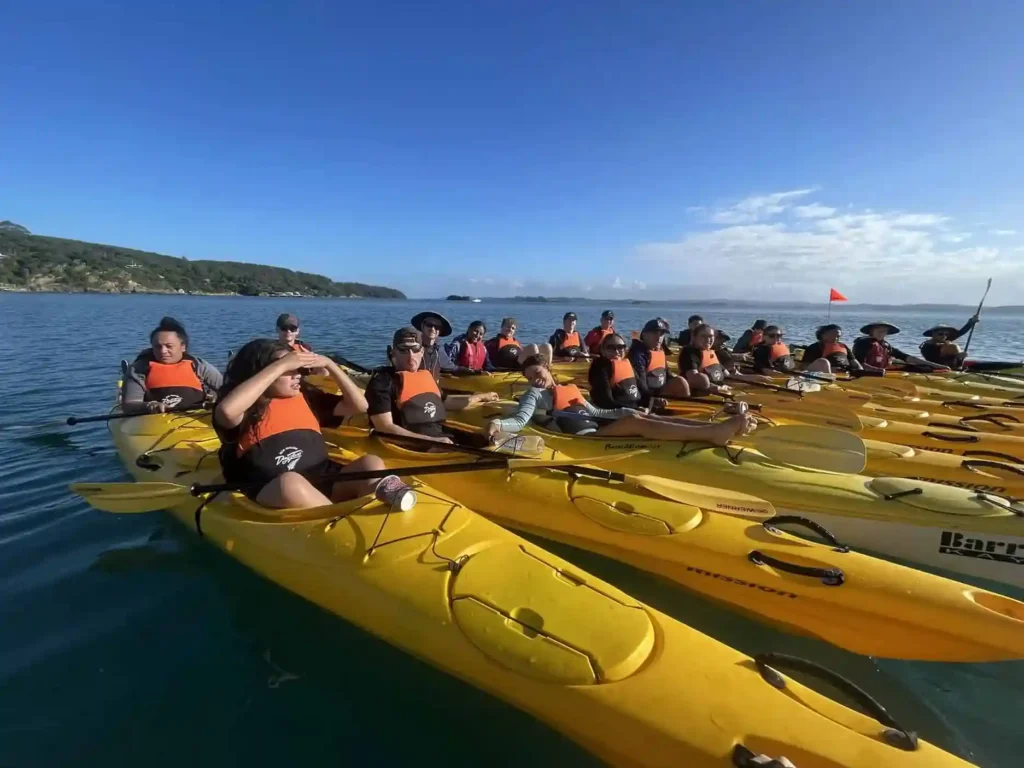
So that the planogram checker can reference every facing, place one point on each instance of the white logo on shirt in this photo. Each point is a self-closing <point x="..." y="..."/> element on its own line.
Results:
<point x="430" y="409"/>
<point x="171" y="400"/>
<point x="634" y="391"/>
<point x="288" y="457"/>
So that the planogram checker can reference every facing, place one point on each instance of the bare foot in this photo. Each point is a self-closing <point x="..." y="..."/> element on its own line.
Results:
<point x="723" y="431"/>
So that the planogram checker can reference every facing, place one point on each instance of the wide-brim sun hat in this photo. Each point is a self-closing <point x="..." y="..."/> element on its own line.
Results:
<point x="892" y="329"/>
<point x="446" y="327"/>
<point x="940" y="327"/>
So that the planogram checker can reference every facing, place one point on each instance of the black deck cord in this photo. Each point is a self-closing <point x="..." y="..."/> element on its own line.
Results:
<point x="199" y="513"/>
<point x="830" y="577"/>
<point x="895" y="734"/>
<point x="744" y="758"/>
<point x="819" y="529"/>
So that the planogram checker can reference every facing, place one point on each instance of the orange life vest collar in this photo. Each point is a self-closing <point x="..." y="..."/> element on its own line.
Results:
<point x="282" y="414"/>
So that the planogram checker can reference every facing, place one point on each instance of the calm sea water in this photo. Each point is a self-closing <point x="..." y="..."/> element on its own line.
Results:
<point x="124" y="640"/>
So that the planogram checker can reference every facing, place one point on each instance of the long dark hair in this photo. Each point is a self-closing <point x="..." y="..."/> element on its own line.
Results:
<point x="250" y="360"/>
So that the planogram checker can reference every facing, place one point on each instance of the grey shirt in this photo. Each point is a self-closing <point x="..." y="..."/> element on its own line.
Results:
<point x="133" y="389"/>
<point x="539" y="403"/>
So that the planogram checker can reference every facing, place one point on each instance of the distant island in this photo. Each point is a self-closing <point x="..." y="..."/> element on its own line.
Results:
<point x="36" y="263"/>
<point x="456" y="297"/>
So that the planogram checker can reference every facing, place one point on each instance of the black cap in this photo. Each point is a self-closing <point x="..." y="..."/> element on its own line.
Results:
<point x="446" y="327"/>
<point x="825" y="329"/>
<point x="940" y="328"/>
<point x="407" y="335"/>
<point x="569" y="316"/>
<point x="657" y="324"/>
<point x="286" y="320"/>
<point x="759" y="325"/>
<point x="892" y="329"/>
<point x="721" y="335"/>
<point x="609" y="314"/>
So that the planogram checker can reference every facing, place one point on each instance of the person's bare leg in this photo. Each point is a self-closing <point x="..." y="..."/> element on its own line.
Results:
<point x="676" y="386"/>
<point x="546" y="351"/>
<point x="291" y="491"/>
<point x="718" y="432"/>
<point x="529" y="350"/>
<point x="821" y="365"/>
<point x="344" y="490"/>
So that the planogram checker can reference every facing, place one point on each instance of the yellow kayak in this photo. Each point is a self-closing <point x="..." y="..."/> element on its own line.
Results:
<point x="631" y="685"/>
<point x="938" y="526"/>
<point x="860" y="603"/>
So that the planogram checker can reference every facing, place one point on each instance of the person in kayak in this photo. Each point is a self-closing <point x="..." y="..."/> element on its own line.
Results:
<point x="750" y="338"/>
<point x="772" y="355"/>
<point x="469" y="352"/>
<point x="566" y="343"/>
<point x="691" y="324"/>
<point x="650" y="364"/>
<point x="166" y="376"/>
<point x="269" y="426"/>
<point x="288" y="333"/>
<point x="433" y="326"/>
<point x="873" y="351"/>
<point x="592" y="341"/>
<point x="403" y="398"/>
<point x="721" y="348"/>
<point x="703" y="367"/>
<point x="563" y="408"/>
<point x="940" y="349"/>
<point x="828" y="354"/>
<point x="505" y="351"/>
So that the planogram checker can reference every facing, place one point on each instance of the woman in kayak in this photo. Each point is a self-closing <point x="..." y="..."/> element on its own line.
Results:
<point x="873" y="351"/>
<point x="166" y="376"/>
<point x="505" y="351"/>
<point x="596" y="335"/>
<point x="563" y="408"/>
<point x="269" y="427"/>
<point x="940" y="349"/>
<point x="828" y="354"/>
<point x="703" y="367"/>
<point x="469" y="352"/>
<point x="750" y="338"/>
<point x="772" y="355"/>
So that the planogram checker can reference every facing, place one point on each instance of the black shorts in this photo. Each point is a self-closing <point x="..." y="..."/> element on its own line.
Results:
<point x="322" y="477"/>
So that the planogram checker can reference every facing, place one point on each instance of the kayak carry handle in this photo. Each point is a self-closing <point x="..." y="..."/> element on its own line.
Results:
<point x="830" y="577"/>
<point x="995" y="456"/>
<point x="894" y="734"/>
<point x="974" y="464"/>
<point x="951" y="438"/>
<point x="772" y="524"/>
<point x="998" y="419"/>
<point x="744" y="758"/>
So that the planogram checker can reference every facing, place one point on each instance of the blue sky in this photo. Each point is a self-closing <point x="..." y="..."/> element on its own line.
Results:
<point x="610" y="149"/>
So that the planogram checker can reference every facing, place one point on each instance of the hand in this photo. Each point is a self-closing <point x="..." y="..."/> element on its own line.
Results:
<point x="492" y="429"/>
<point x="155" y="406"/>
<point x="975" y="319"/>
<point x="485" y="373"/>
<point x="295" y="361"/>
<point x="658" y="403"/>
<point x="484" y="397"/>
<point x="723" y="389"/>
<point x="444" y="440"/>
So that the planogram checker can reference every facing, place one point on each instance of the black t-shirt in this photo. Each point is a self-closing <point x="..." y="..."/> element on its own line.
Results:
<point x="690" y="359"/>
<point x="382" y="397"/>
<point x="763" y="360"/>
<point x="684" y="337"/>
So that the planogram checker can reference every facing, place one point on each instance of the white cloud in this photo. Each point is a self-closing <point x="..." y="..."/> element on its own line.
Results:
<point x="894" y="256"/>
<point x="1003" y="232"/>
<point x="640" y="285"/>
<point x="813" y="211"/>
<point x="617" y="283"/>
<point x="757" y="207"/>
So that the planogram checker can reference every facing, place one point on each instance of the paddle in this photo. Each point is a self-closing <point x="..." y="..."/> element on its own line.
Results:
<point x="73" y="420"/>
<point x="349" y="364"/>
<point x="980" y="305"/>
<point x="828" y="416"/>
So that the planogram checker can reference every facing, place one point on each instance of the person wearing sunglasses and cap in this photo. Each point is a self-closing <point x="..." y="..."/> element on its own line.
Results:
<point x="873" y="351"/>
<point x="650" y="365"/>
<point x="563" y="408"/>
<point x="708" y="367"/>
<point x="772" y="355"/>
<point x="566" y="343"/>
<point x="940" y="349"/>
<point x="433" y="326"/>
<point x="403" y="398"/>
<point x="596" y="335"/>
<point x="288" y="333"/>
<point x="828" y="354"/>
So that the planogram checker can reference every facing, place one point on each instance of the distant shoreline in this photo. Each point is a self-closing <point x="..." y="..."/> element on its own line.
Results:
<point x="19" y="289"/>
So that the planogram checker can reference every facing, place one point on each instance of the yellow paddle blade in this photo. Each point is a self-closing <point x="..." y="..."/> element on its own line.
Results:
<point x="717" y="499"/>
<point x="831" y="450"/>
<point x="887" y="385"/>
<point x="835" y="418"/>
<point x="128" y="498"/>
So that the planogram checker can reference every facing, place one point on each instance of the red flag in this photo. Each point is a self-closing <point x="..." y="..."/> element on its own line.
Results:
<point x="834" y="295"/>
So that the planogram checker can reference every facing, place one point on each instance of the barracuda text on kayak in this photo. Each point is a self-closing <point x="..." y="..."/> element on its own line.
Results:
<point x="648" y="445"/>
<point x="741" y="582"/>
<point x="954" y="543"/>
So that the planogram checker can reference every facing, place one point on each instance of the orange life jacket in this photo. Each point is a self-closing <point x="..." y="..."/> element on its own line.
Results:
<point x="780" y="358"/>
<point x="599" y="334"/>
<point x="419" y="402"/>
<point x="505" y="351"/>
<point x="286" y="439"/>
<point x="837" y="354"/>
<point x="174" y="384"/>
<point x="571" y="342"/>
<point x="711" y="367"/>
<point x="569" y="399"/>
<point x="623" y="381"/>
<point x="657" y="370"/>
<point x="505" y="341"/>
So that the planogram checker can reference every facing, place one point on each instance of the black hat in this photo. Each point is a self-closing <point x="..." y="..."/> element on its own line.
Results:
<point x="830" y="327"/>
<point x="721" y="335"/>
<point x="406" y="335"/>
<point x="892" y="329"/>
<point x="286" y="320"/>
<point x="759" y="325"/>
<point x="609" y="314"/>
<point x="657" y="324"/>
<point x="940" y="327"/>
<point x="568" y="316"/>
<point x="446" y="327"/>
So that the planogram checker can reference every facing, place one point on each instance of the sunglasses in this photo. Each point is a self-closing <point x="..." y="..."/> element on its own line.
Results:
<point x="288" y="327"/>
<point x="431" y="324"/>
<point x="773" y="335"/>
<point x="615" y="347"/>
<point x="409" y="348"/>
